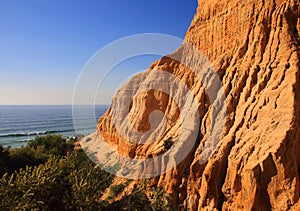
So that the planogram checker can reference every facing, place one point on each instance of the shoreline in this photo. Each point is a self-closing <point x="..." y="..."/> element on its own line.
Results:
<point x="23" y="143"/>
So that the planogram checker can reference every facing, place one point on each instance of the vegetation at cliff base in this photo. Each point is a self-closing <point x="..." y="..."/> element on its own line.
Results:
<point x="48" y="174"/>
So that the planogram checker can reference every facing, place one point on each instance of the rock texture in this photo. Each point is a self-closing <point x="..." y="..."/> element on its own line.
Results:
<point x="254" y="47"/>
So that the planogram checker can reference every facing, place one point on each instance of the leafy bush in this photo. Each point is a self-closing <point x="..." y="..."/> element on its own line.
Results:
<point x="26" y="156"/>
<point x="70" y="183"/>
<point x="4" y="160"/>
<point x="36" y="152"/>
<point x="116" y="189"/>
<point x="139" y="201"/>
<point x="136" y="201"/>
<point x="160" y="200"/>
<point x="52" y="144"/>
<point x="48" y="174"/>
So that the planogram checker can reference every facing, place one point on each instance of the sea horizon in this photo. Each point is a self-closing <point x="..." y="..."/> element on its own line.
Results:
<point x="21" y="123"/>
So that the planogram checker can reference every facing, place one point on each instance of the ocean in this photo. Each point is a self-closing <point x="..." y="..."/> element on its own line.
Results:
<point x="19" y="124"/>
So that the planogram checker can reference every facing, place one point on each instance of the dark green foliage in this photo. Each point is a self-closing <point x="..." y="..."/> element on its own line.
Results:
<point x="168" y="144"/>
<point x="116" y="189"/>
<point x="48" y="174"/>
<point x="139" y="201"/>
<point x="4" y="160"/>
<point x="26" y="156"/>
<point x="70" y="183"/>
<point x="52" y="144"/>
<point x="36" y="152"/>
<point x="160" y="200"/>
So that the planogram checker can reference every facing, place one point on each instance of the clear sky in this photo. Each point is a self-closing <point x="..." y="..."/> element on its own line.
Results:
<point x="44" y="44"/>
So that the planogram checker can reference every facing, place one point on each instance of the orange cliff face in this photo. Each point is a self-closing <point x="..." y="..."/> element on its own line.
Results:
<point x="253" y="46"/>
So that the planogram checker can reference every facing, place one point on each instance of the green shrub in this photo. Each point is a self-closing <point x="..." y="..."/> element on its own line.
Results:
<point x="26" y="156"/>
<point x="36" y="152"/>
<point x="70" y="183"/>
<point x="160" y="200"/>
<point x="139" y="201"/>
<point x="116" y="189"/>
<point x="4" y="160"/>
<point x="52" y="144"/>
<point x="48" y="174"/>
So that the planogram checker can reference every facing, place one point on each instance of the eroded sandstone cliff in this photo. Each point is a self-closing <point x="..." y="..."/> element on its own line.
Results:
<point x="254" y="47"/>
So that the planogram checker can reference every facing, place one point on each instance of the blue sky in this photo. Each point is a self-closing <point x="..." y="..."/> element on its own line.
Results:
<point x="44" y="44"/>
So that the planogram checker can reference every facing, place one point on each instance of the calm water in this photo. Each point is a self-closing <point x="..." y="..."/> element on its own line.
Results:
<point x="19" y="124"/>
